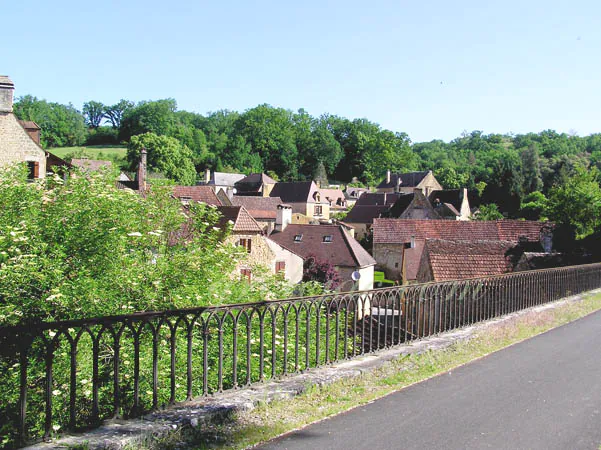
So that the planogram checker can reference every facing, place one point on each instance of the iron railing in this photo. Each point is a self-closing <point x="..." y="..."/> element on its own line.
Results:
<point x="71" y="375"/>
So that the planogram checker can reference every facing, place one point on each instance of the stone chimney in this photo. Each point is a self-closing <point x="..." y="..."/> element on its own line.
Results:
<point x="283" y="217"/>
<point x="412" y="241"/>
<point x="388" y="177"/>
<point x="141" y="174"/>
<point x="207" y="176"/>
<point x="7" y="89"/>
<point x="398" y="184"/>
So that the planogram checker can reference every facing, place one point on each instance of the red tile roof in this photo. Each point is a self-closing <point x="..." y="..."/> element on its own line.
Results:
<point x="203" y="194"/>
<point x="341" y="250"/>
<point x="398" y="231"/>
<point x="456" y="260"/>
<point x="243" y="221"/>
<point x="90" y="164"/>
<point x="261" y="208"/>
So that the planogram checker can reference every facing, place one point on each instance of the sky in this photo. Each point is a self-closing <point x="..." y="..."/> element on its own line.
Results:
<point x="431" y="69"/>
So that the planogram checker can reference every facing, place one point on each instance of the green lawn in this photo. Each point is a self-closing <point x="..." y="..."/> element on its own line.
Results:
<point x="380" y="278"/>
<point x="108" y="152"/>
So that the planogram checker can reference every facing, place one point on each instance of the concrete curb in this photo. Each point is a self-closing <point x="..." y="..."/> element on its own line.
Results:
<point x="121" y="434"/>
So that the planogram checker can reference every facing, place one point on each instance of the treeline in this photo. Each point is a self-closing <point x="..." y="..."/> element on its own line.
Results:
<point x="506" y="169"/>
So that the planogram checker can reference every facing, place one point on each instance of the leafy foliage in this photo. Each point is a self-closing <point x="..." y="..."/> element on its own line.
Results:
<point x="324" y="272"/>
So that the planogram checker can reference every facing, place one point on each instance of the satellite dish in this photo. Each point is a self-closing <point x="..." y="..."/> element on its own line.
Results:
<point x="356" y="276"/>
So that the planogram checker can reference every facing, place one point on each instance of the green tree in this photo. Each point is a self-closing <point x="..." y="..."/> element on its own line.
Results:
<point x="450" y="179"/>
<point x="534" y="206"/>
<point x="575" y="204"/>
<point x="156" y="117"/>
<point x="114" y="113"/>
<point x="166" y="155"/>
<point x="489" y="212"/>
<point x="94" y="113"/>
<point x="320" y="176"/>
<point x="531" y="174"/>
<point x="61" y="125"/>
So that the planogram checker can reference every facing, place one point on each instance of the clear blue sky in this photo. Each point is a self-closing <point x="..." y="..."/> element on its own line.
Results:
<point x="429" y="68"/>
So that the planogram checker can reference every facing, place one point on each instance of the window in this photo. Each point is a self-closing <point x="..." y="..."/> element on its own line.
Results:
<point x="327" y="238"/>
<point x="298" y="238"/>
<point x="246" y="243"/>
<point x="280" y="266"/>
<point x="318" y="210"/>
<point x="185" y="200"/>
<point x="34" y="170"/>
<point x="246" y="274"/>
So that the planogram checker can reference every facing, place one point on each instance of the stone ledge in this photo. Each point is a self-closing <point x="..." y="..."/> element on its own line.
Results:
<point x="121" y="434"/>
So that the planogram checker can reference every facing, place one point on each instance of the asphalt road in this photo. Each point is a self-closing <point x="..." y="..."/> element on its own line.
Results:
<point x="544" y="393"/>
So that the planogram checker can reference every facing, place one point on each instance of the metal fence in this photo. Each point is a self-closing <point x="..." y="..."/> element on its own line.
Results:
<point x="71" y="375"/>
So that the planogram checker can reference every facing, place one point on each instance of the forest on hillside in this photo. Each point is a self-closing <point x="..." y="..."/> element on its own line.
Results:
<point x="509" y="170"/>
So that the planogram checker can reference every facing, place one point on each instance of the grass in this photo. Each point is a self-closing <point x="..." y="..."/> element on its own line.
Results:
<point x="109" y="152"/>
<point x="380" y="278"/>
<point x="270" y="420"/>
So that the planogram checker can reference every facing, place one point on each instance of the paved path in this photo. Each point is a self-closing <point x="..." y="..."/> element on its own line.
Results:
<point x="544" y="393"/>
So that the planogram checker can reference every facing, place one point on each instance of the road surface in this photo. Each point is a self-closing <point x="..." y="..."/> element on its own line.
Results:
<point x="544" y="393"/>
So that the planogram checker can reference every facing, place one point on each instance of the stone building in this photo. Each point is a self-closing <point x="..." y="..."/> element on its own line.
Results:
<point x="17" y="142"/>
<point x="407" y="182"/>
<point x="304" y="197"/>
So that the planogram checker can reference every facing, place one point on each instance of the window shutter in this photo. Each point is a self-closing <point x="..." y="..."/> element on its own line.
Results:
<point x="36" y="170"/>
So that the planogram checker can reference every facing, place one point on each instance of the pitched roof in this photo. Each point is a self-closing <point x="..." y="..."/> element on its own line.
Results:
<point x="410" y="179"/>
<point x="203" y="194"/>
<point x="365" y="213"/>
<point x="397" y="231"/>
<point x="378" y="198"/>
<point x="243" y="221"/>
<point x="295" y="191"/>
<point x="456" y="260"/>
<point x="258" y="207"/>
<point x="225" y="179"/>
<point x="90" y="164"/>
<point x="340" y="249"/>
<point x="257" y="178"/>
<point x="401" y="204"/>
<point x="29" y="125"/>
<point x="333" y="195"/>
<point x="355" y="192"/>
<point x="452" y="196"/>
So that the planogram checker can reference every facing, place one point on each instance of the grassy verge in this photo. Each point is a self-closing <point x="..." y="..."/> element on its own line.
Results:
<point x="276" y="418"/>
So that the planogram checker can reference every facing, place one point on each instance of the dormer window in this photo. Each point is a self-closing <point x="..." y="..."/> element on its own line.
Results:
<point x="185" y="200"/>
<point x="298" y="237"/>
<point x="327" y="238"/>
<point x="317" y="197"/>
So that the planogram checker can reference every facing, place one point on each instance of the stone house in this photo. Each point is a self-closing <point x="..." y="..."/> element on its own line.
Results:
<point x="304" y="197"/>
<point x="444" y="260"/>
<point x="247" y="233"/>
<point x="451" y="203"/>
<point x="367" y="208"/>
<point x="255" y="184"/>
<point x="18" y="139"/>
<point x="407" y="182"/>
<point x="262" y="209"/>
<point x="352" y="194"/>
<point x="221" y="181"/>
<point x="331" y="243"/>
<point x="398" y="243"/>
<point x="336" y="199"/>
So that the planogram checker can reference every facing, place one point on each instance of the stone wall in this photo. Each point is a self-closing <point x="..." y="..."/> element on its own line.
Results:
<point x="17" y="146"/>
<point x="389" y="259"/>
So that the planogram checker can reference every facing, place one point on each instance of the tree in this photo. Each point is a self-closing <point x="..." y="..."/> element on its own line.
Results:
<point x="450" y="179"/>
<point x="94" y="113"/>
<point x="320" y="176"/>
<point x="156" y="117"/>
<point x="61" y="125"/>
<point x="115" y="112"/>
<point x="489" y="212"/>
<point x="166" y="155"/>
<point x="324" y="272"/>
<point x="534" y="206"/>
<point x="576" y="204"/>
<point x="531" y="174"/>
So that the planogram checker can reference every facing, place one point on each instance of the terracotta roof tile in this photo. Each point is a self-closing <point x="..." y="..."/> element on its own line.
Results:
<point x="456" y="260"/>
<point x="90" y="164"/>
<point x="258" y="207"/>
<point x="243" y="221"/>
<point x="400" y="230"/>
<point x="203" y="194"/>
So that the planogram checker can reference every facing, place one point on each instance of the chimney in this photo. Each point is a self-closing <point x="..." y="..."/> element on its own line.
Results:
<point x="207" y="176"/>
<point x="412" y="242"/>
<point x="283" y="217"/>
<point x="388" y="177"/>
<point x="141" y="174"/>
<point x="7" y="89"/>
<point x="398" y="185"/>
